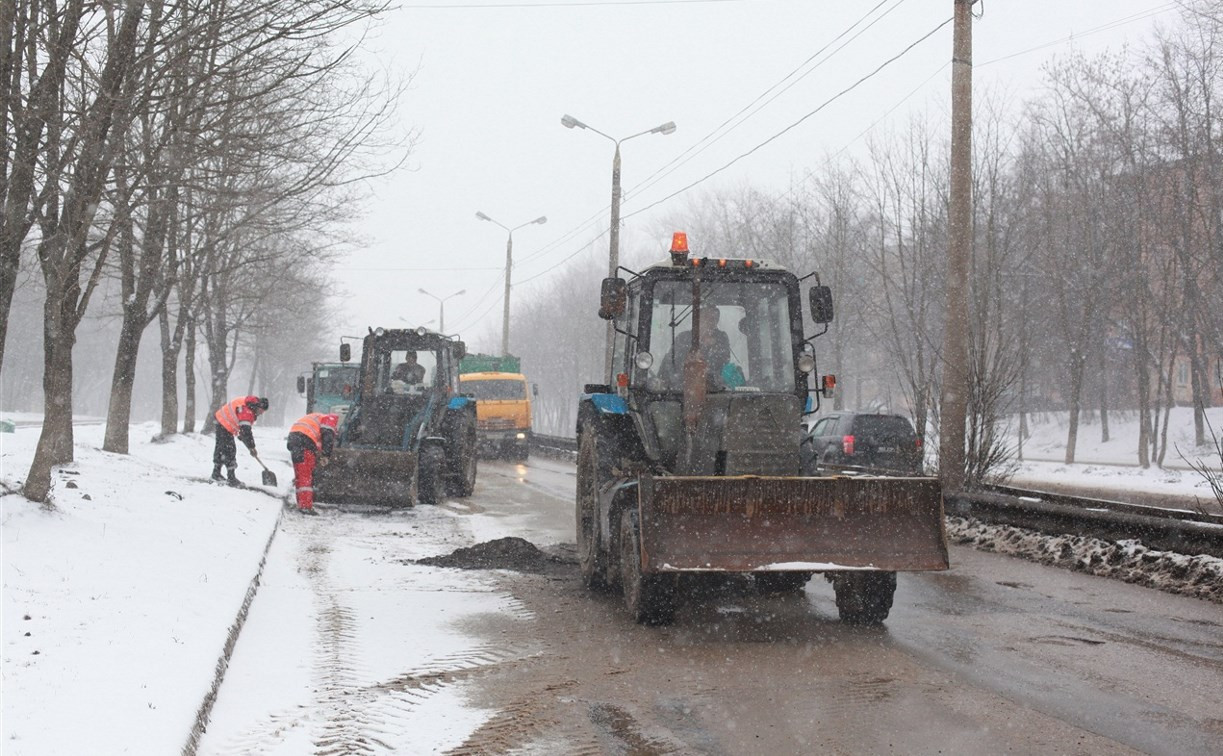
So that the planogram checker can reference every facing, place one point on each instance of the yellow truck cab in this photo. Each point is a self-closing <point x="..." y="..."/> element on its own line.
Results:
<point x="503" y="404"/>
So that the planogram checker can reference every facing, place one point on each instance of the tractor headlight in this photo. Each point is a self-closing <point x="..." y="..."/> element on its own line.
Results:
<point x="521" y="436"/>
<point x="379" y="331"/>
<point x="806" y="362"/>
<point x="421" y="330"/>
<point x="644" y="360"/>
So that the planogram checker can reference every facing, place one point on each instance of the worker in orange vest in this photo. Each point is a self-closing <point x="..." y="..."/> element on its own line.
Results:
<point x="311" y="440"/>
<point x="235" y="418"/>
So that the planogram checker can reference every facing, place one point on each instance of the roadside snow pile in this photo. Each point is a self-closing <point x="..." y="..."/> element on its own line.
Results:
<point x="1200" y="576"/>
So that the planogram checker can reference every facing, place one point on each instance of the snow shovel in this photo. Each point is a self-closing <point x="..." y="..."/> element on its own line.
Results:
<point x="269" y="477"/>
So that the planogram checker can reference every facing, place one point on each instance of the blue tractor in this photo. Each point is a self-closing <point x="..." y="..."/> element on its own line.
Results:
<point x="409" y="435"/>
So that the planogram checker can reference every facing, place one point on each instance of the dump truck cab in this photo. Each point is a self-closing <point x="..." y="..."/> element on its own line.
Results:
<point x="689" y="460"/>
<point x="410" y="433"/>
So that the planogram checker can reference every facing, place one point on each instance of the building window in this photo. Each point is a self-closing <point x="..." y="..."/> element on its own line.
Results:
<point x="1182" y="374"/>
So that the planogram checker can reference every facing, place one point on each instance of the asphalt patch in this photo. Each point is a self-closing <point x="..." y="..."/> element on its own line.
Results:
<point x="517" y="554"/>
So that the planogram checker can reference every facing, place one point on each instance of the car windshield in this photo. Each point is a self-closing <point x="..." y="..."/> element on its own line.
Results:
<point x="495" y="389"/>
<point x="744" y="336"/>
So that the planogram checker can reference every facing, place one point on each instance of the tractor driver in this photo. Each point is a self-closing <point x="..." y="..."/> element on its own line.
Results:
<point x="715" y="345"/>
<point x="407" y="373"/>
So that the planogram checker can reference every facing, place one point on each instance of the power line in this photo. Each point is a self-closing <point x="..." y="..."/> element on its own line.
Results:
<point x="579" y="4"/>
<point x="480" y="299"/>
<point x="822" y="105"/>
<point x="710" y="137"/>
<point x="1141" y="15"/>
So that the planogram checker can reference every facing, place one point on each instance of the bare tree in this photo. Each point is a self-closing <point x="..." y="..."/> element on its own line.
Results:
<point x="907" y="191"/>
<point x="82" y="139"/>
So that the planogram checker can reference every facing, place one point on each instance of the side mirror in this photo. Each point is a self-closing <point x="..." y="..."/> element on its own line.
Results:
<point x="460" y="350"/>
<point x="534" y="389"/>
<point x="821" y="304"/>
<point x="613" y="298"/>
<point x="345" y="352"/>
<point x="301" y="384"/>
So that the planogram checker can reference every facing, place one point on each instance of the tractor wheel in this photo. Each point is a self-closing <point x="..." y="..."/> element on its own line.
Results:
<point x="650" y="599"/>
<point x="771" y="583"/>
<point x="864" y="598"/>
<point x="592" y="560"/>
<point x="462" y="479"/>
<point x="432" y="475"/>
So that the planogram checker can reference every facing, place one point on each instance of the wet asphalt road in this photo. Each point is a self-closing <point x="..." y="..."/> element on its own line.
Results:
<point x="996" y="655"/>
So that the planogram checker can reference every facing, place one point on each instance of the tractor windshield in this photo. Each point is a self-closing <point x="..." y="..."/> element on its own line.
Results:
<point x="402" y="371"/>
<point x="745" y="336"/>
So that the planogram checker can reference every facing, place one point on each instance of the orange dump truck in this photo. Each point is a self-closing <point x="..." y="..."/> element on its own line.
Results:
<point x="503" y="403"/>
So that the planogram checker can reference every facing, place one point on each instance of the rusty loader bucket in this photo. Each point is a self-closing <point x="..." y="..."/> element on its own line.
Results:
<point x="749" y="523"/>
<point x="367" y="476"/>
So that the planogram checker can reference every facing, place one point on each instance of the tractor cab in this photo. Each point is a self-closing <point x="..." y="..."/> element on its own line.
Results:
<point x="711" y="345"/>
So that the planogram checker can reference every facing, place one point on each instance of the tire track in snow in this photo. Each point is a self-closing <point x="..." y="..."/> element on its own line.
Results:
<point x="354" y="711"/>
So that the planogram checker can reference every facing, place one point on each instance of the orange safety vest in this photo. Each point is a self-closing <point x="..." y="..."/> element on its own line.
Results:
<point x="311" y="427"/>
<point x="235" y="414"/>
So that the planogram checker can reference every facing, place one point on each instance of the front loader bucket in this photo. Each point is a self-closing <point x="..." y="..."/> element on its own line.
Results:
<point x="748" y="523"/>
<point x="367" y="476"/>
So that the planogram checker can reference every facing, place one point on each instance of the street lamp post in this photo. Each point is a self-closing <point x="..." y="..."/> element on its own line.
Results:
<point x="441" y="307"/>
<point x="613" y="235"/>
<point x="509" y="264"/>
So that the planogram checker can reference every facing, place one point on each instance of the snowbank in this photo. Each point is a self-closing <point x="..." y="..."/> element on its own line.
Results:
<point x="1200" y="576"/>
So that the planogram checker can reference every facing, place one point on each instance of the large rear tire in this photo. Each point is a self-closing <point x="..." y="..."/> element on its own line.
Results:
<point x="864" y="598"/>
<point x="592" y="560"/>
<point x="650" y="599"/>
<point x="462" y="479"/>
<point x="432" y="475"/>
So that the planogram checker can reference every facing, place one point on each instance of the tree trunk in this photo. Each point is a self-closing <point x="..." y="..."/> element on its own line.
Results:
<point x="169" y="376"/>
<point x="1075" y="405"/>
<point x="1103" y="397"/>
<point x="1143" y="381"/>
<point x="189" y="380"/>
<point x="55" y="442"/>
<point x="119" y="413"/>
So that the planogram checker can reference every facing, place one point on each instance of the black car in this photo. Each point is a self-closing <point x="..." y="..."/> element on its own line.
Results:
<point x="864" y="439"/>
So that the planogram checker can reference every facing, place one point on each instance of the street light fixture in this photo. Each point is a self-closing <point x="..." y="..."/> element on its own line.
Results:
<point x="441" y="307"/>
<point x="509" y="262"/>
<point x="613" y="262"/>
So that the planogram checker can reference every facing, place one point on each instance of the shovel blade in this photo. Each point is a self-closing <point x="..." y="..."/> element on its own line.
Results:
<point x="747" y="523"/>
<point x="269" y="478"/>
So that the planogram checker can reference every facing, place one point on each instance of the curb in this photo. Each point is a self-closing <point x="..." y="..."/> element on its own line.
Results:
<point x="231" y="640"/>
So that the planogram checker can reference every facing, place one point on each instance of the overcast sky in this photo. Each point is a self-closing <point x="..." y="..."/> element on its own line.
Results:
<point x="493" y="78"/>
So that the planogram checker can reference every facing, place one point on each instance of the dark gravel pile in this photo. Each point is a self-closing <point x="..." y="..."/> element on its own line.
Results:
<point x="502" y="554"/>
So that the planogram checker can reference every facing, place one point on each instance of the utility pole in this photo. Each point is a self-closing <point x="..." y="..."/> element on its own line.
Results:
<point x="613" y="266"/>
<point x="505" y="317"/>
<point x="953" y="409"/>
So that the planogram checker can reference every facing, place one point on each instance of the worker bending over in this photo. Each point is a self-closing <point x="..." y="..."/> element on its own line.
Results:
<point x="311" y="440"/>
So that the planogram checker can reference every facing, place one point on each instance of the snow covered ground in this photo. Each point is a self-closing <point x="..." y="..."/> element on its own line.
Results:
<point x="1113" y="465"/>
<point x="119" y="601"/>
